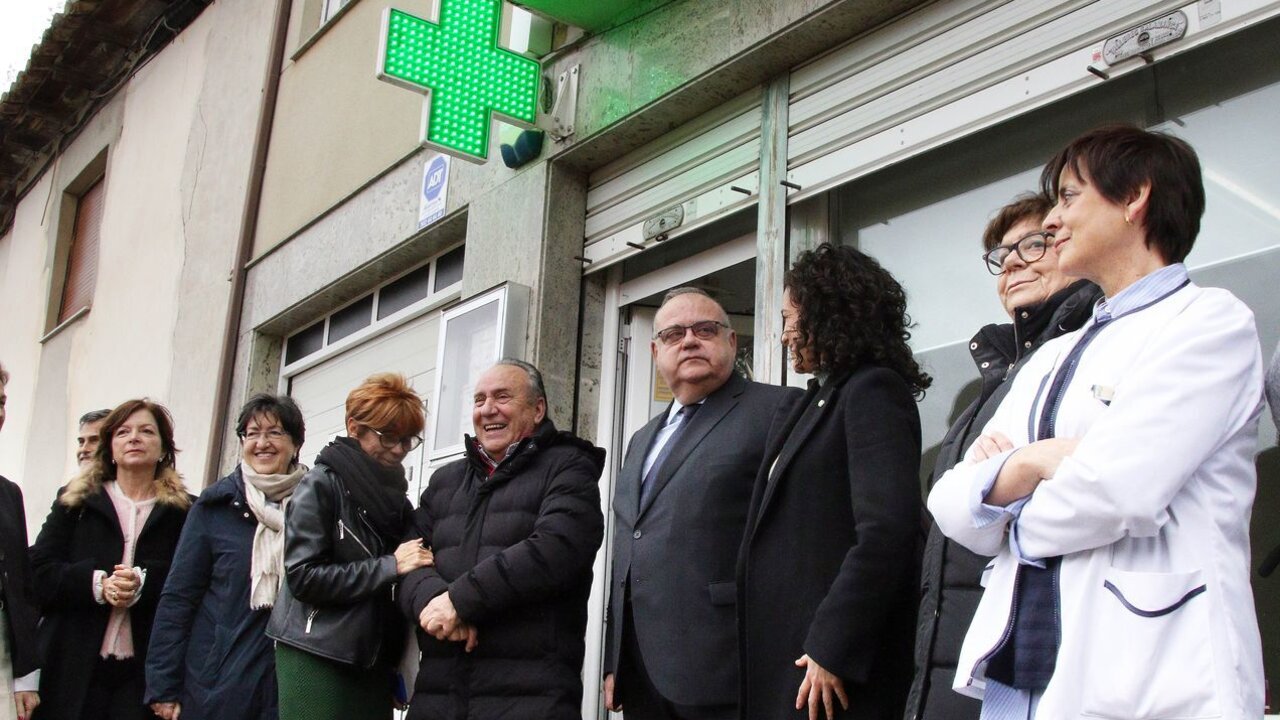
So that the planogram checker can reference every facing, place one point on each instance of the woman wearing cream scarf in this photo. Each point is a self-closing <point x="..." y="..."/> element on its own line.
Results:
<point x="209" y="656"/>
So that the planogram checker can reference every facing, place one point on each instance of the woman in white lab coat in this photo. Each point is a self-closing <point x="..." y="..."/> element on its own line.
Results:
<point x="1115" y="482"/>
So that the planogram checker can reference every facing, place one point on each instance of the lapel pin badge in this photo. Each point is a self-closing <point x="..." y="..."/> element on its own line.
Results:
<point x="1104" y="393"/>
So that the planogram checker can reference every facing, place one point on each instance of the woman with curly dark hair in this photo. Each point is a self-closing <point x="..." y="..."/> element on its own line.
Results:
<point x="828" y="570"/>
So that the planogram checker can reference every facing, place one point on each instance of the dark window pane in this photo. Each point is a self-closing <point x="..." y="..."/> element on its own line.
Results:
<point x="404" y="292"/>
<point x="353" y="317"/>
<point x="304" y="343"/>
<point x="449" y="268"/>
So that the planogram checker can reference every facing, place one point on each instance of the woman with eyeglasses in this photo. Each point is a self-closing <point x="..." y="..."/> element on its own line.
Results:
<point x="349" y="538"/>
<point x="1115" y="482"/>
<point x="1042" y="302"/>
<point x="209" y="655"/>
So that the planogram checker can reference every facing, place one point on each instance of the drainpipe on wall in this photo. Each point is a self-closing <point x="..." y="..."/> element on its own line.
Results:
<point x="244" y="246"/>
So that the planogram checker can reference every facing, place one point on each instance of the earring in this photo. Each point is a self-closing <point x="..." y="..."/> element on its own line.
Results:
<point x="1128" y="220"/>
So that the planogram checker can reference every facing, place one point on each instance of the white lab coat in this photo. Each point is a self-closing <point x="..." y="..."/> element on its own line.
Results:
<point x="1153" y="505"/>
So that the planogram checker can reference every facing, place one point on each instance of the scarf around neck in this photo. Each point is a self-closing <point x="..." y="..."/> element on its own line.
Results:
<point x="379" y="490"/>
<point x="266" y="566"/>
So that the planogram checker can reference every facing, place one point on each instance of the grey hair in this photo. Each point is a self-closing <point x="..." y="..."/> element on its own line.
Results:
<point x="537" y="388"/>
<point x="674" y="293"/>
<point x="93" y="416"/>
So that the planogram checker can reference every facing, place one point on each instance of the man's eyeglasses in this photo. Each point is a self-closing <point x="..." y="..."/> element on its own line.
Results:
<point x="703" y="330"/>
<point x="390" y="442"/>
<point x="1029" y="247"/>
<point x="271" y="435"/>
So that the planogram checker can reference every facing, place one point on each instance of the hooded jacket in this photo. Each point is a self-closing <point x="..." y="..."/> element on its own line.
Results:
<point x="949" y="589"/>
<point x="514" y="550"/>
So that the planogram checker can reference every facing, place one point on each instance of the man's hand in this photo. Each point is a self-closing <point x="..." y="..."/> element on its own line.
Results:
<point x="26" y="703"/>
<point x="439" y="618"/>
<point x="466" y="633"/>
<point x="412" y="555"/>
<point x="819" y="687"/>
<point x="610" y="702"/>
<point x="1027" y="467"/>
<point x="167" y="710"/>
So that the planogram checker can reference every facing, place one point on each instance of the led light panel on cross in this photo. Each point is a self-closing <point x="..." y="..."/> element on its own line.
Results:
<point x="466" y="76"/>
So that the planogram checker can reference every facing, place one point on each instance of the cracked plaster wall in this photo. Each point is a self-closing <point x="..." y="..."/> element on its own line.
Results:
<point x="179" y="139"/>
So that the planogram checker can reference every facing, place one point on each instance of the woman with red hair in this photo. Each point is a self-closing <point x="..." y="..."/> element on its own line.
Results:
<point x="337" y="630"/>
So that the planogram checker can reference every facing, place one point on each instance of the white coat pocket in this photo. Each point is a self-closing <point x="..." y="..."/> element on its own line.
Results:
<point x="1150" y="655"/>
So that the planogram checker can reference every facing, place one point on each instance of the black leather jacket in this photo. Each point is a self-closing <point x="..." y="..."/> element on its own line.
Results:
<point x="338" y="598"/>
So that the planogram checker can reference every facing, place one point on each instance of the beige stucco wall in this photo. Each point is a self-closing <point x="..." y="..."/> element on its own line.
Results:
<point x="179" y="138"/>
<point x="337" y="127"/>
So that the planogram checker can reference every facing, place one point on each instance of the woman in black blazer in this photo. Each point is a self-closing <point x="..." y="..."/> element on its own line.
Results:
<point x="828" y="571"/>
<point x="100" y="562"/>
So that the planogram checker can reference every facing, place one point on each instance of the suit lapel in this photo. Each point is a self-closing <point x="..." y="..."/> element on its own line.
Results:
<point x="717" y="405"/>
<point x="626" y="496"/>
<point x="805" y="418"/>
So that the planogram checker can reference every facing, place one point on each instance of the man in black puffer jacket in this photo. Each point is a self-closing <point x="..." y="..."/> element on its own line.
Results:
<point x="1043" y="304"/>
<point x="515" y="526"/>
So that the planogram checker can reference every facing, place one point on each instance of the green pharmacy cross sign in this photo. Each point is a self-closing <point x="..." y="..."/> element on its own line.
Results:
<point x="466" y="76"/>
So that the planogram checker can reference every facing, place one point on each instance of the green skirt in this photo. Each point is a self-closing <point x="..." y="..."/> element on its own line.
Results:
<point x="313" y="688"/>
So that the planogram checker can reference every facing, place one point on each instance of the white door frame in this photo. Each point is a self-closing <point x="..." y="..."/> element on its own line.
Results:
<point x="613" y="372"/>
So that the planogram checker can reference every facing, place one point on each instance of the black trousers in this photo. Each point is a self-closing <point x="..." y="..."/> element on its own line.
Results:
<point x="640" y="698"/>
<point x="115" y="691"/>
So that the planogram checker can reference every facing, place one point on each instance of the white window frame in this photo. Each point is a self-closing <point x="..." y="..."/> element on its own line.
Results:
<point x="433" y="301"/>
<point x="512" y="302"/>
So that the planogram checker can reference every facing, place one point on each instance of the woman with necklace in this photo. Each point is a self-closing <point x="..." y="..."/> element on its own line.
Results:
<point x="100" y="562"/>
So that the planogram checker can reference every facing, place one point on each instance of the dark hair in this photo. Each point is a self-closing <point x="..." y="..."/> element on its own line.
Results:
<point x="117" y="417"/>
<point x="385" y="402"/>
<point x="537" y="389"/>
<point x="1027" y="206"/>
<point x="280" y="407"/>
<point x="852" y="312"/>
<point x="674" y="293"/>
<point x="1119" y="159"/>
<point x="93" y="416"/>
<point x="4" y="375"/>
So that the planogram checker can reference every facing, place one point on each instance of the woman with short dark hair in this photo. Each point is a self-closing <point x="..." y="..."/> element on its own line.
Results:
<point x="349" y="538"/>
<point x="100" y="563"/>
<point x="1115" y="482"/>
<point x="210" y="656"/>
<point x="827" y="575"/>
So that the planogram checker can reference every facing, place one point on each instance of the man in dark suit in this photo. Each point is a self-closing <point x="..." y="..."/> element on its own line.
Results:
<point x="680" y="505"/>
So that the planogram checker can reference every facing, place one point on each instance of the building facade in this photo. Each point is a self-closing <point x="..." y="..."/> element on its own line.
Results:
<point x="688" y="142"/>
<point x="709" y="143"/>
<point x="128" y="153"/>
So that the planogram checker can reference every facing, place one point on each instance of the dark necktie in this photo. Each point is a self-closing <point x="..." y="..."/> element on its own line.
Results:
<point x="683" y="417"/>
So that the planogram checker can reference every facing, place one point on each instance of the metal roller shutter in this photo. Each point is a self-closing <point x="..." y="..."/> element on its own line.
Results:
<point x="696" y="166"/>
<point x="958" y="66"/>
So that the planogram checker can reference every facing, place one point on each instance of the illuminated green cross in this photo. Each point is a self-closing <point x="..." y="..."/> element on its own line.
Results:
<point x="466" y="75"/>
